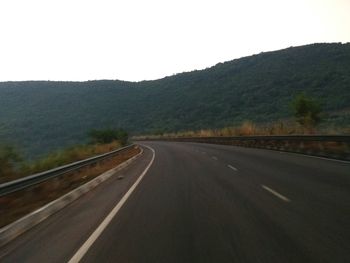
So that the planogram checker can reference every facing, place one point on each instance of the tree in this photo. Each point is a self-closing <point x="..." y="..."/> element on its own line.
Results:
<point x="8" y="160"/>
<point x="306" y="110"/>
<point x="108" y="135"/>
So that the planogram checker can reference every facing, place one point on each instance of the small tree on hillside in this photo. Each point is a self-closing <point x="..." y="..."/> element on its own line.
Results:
<point x="108" y="135"/>
<point x="8" y="160"/>
<point x="306" y="110"/>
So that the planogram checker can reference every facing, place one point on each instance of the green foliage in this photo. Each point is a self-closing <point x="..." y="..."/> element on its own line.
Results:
<point x="52" y="160"/>
<point x="8" y="161"/>
<point x="306" y="110"/>
<point x="108" y="135"/>
<point x="42" y="116"/>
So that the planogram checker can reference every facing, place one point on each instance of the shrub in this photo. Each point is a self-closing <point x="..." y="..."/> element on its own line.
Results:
<point x="306" y="110"/>
<point x="66" y="156"/>
<point x="8" y="161"/>
<point x="108" y="135"/>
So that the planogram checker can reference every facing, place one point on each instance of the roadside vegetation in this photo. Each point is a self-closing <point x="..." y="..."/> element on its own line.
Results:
<point x="306" y="111"/>
<point x="12" y="166"/>
<point x="9" y="159"/>
<point x="108" y="136"/>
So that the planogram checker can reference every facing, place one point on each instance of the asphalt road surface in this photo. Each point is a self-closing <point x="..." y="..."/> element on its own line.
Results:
<point x="202" y="203"/>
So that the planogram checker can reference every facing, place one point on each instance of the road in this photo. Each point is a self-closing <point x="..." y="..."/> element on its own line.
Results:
<point x="203" y="203"/>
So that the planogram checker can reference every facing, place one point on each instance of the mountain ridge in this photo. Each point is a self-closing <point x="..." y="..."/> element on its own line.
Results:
<point x="40" y="116"/>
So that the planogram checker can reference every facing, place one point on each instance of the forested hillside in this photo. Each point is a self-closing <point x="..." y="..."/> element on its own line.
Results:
<point x="39" y="116"/>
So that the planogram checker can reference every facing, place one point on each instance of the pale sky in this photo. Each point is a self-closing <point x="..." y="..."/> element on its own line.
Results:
<point x="138" y="39"/>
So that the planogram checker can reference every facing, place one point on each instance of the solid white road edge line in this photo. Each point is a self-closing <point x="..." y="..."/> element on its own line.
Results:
<point x="325" y="158"/>
<point x="275" y="193"/>
<point x="310" y="156"/>
<point x="88" y="243"/>
<point x="233" y="168"/>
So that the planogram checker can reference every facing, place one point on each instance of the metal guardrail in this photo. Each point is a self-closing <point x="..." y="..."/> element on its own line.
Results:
<point x="332" y="146"/>
<point x="22" y="183"/>
<point x="333" y="138"/>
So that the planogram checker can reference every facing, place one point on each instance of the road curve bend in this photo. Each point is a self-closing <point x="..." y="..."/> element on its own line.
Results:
<point x="204" y="203"/>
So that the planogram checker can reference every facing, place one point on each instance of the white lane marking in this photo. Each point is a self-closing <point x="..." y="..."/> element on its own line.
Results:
<point x="282" y="197"/>
<point x="88" y="243"/>
<point x="214" y="158"/>
<point x="233" y="168"/>
<point x="203" y="152"/>
<point x="310" y="156"/>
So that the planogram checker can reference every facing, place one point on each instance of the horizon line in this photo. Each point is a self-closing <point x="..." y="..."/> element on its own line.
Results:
<point x="174" y="74"/>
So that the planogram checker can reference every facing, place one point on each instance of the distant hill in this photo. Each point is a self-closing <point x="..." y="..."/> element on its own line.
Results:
<point x="39" y="116"/>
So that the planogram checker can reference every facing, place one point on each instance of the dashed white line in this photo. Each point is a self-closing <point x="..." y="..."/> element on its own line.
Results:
<point x="282" y="197"/>
<point x="214" y="158"/>
<point x="233" y="168"/>
<point x="88" y="243"/>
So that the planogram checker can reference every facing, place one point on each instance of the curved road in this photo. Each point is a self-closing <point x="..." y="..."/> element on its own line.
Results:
<point x="203" y="203"/>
